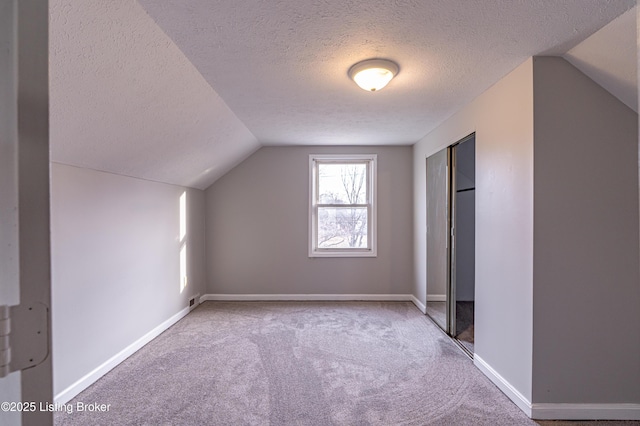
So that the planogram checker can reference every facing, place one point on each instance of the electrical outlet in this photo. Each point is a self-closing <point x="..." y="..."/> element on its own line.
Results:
<point x="192" y="301"/>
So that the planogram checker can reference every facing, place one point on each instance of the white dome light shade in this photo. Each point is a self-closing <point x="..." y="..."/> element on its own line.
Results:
<point x="373" y="74"/>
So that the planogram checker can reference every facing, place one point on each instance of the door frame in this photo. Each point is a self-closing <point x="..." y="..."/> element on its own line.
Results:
<point x="26" y="137"/>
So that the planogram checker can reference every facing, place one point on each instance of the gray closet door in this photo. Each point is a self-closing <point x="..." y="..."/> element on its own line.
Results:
<point x="438" y="257"/>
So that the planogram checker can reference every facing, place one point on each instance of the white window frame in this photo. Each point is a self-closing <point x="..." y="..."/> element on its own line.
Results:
<point x="371" y="205"/>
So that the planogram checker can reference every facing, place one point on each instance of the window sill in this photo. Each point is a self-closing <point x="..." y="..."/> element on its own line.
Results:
<point x="350" y="253"/>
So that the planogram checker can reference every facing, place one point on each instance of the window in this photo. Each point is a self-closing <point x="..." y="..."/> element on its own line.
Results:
<point x="342" y="211"/>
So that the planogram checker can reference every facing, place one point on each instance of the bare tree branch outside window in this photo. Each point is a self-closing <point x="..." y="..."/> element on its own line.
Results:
<point x="343" y="227"/>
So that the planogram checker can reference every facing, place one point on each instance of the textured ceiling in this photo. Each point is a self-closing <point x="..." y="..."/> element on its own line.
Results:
<point x="124" y="99"/>
<point x="179" y="91"/>
<point x="609" y="57"/>
<point x="281" y="65"/>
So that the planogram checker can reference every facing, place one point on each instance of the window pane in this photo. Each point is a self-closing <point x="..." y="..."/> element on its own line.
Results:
<point x="342" y="183"/>
<point x="342" y="227"/>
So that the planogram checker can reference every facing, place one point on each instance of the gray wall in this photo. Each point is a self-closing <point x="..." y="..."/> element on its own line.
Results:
<point x="557" y="250"/>
<point x="586" y="274"/>
<point x="115" y="264"/>
<point x="257" y="228"/>
<point x="502" y="118"/>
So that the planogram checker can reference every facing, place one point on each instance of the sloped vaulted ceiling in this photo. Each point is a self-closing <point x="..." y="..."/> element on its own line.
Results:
<point x="180" y="91"/>
<point x="124" y="99"/>
<point x="610" y="57"/>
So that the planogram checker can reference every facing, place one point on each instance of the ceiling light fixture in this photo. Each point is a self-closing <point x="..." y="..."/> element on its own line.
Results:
<point x="373" y="74"/>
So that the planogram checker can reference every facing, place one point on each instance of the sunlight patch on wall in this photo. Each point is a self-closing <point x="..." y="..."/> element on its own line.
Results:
<point x="183" y="242"/>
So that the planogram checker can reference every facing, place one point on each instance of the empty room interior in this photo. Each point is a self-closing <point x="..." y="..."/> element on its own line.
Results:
<point x="210" y="216"/>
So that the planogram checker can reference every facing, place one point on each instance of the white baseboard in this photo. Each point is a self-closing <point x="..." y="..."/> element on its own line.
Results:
<point x="419" y="304"/>
<point x="302" y="297"/>
<point x="585" y="411"/>
<point x="558" y="411"/>
<point x="316" y="297"/>
<point x="512" y="393"/>
<point x="86" y="381"/>
<point x="436" y="297"/>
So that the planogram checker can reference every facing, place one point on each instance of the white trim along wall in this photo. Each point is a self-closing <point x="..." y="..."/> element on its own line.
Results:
<point x="317" y="297"/>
